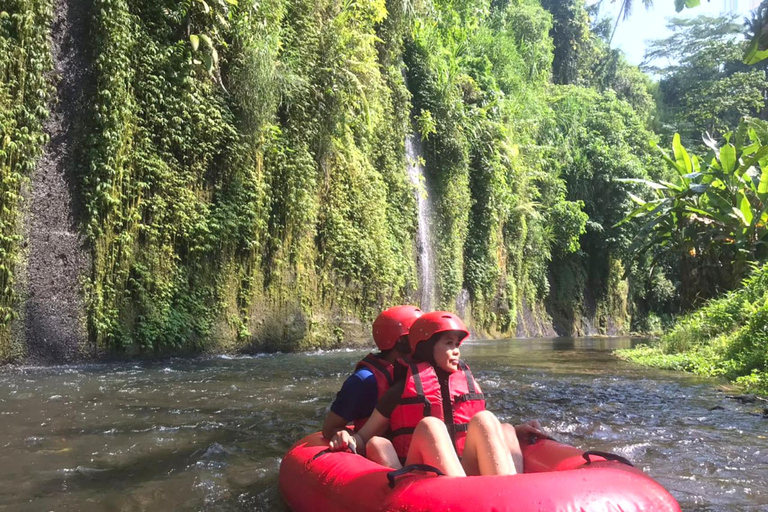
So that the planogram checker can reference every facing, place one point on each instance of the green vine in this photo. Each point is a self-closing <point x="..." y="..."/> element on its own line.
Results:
<point x="265" y="176"/>
<point x="25" y="90"/>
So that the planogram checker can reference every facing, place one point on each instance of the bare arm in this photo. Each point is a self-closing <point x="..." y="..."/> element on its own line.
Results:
<point x="375" y="426"/>
<point x="332" y="424"/>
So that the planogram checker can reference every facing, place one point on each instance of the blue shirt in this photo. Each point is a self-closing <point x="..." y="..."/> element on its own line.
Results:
<point x="357" y="396"/>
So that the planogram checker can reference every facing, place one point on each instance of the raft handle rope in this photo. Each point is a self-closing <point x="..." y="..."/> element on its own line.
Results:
<point x="606" y="456"/>
<point x="533" y="438"/>
<point x="392" y="475"/>
<point x="350" y="449"/>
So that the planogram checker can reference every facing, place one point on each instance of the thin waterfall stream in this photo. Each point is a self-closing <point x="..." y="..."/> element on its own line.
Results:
<point x="425" y="258"/>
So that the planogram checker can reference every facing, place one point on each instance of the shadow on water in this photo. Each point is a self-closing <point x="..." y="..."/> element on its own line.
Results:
<point x="209" y="434"/>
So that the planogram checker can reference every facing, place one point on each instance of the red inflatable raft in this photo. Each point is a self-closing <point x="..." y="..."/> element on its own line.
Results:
<point x="557" y="478"/>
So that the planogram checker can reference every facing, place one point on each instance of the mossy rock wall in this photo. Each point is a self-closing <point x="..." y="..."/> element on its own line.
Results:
<point x="240" y="179"/>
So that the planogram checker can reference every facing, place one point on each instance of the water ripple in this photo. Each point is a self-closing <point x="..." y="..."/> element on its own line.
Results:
<point x="209" y="433"/>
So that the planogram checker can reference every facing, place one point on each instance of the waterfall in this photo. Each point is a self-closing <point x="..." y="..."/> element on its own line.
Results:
<point x="462" y="303"/>
<point x="425" y="257"/>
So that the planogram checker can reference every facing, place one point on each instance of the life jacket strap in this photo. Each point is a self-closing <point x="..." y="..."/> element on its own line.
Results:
<point x="419" y="385"/>
<point x="405" y="431"/>
<point x="468" y="376"/>
<point x="376" y="363"/>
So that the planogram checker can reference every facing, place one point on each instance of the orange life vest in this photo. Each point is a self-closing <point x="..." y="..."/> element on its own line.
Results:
<point x="422" y="397"/>
<point x="384" y="373"/>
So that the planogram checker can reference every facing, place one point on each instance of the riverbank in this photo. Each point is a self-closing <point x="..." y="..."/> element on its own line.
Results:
<point x="728" y="338"/>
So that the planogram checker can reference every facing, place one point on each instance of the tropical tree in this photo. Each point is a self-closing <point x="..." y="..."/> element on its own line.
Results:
<point x="626" y="11"/>
<point x="757" y="25"/>
<point x="713" y="215"/>
<point x="595" y="139"/>
<point x="682" y="4"/>
<point x="626" y="6"/>
<point x="757" y="32"/>
<point x="704" y="85"/>
<point x="571" y="37"/>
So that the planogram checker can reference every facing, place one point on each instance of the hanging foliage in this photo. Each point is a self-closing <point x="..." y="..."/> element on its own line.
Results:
<point x="24" y="93"/>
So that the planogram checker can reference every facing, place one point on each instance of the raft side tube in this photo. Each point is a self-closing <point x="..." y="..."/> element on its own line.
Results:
<point x="332" y="482"/>
<point x="343" y="482"/>
<point x="549" y="455"/>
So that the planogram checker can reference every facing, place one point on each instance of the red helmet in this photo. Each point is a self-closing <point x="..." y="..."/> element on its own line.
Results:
<point x="392" y="324"/>
<point x="432" y="323"/>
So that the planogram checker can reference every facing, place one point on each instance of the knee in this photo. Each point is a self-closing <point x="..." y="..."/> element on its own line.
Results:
<point x="485" y="420"/>
<point x="381" y="451"/>
<point x="431" y="425"/>
<point x="378" y="444"/>
<point x="510" y="434"/>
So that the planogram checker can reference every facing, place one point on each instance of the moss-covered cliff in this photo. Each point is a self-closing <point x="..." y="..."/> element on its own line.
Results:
<point x="240" y="181"/>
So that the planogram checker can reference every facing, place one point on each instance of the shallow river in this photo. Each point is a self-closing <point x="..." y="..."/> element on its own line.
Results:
<point x="208" y="434"/>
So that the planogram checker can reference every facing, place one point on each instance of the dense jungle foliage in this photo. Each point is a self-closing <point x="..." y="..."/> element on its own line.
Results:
<point x="243" y="171"/>
<point x="706" y="221"/>
<point x="709" y="223"/>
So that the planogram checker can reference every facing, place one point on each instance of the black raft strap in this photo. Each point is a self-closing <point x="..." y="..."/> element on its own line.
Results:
<point x="350" y="449"/>
<point x="392" y="475"/>
<point x="606" y="456"/>
<point x="321" y="453"/>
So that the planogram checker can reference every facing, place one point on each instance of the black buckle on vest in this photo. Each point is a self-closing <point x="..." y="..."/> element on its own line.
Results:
<point x="468" y="397"/>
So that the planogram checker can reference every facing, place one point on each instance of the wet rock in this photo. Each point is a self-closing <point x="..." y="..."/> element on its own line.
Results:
<point x="745" y="399"/>
<point x="717" y="408"/>
<point x="54" y="325"/>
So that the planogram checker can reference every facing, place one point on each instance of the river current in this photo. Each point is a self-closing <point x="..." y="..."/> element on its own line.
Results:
<point x="208" y="434"/>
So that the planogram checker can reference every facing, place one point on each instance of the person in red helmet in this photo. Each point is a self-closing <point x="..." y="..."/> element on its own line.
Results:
<point x="374" y="374"/>
<point x="436" y="415"/>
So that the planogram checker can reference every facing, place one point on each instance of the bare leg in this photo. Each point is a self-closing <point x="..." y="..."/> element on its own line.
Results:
<point x="510" y="436"/>
<point x="485" y="450"/>
<point x="381" y="451"/>
<point x="432" y="445"/>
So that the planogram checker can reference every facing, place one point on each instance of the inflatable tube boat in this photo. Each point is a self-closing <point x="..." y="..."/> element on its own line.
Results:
<point x="557" y="478"/>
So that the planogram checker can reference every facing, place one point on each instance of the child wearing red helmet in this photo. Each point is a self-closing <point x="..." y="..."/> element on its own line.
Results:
<point x="437" y="415"/>
<point x="374" y="374"/>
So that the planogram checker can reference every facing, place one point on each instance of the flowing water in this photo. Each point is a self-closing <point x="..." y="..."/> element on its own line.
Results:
<point x="413" y="155"/>
<point x="208" y="434"/>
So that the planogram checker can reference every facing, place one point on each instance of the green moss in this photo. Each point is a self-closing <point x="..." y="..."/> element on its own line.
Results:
<point x="257" y="168"/>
